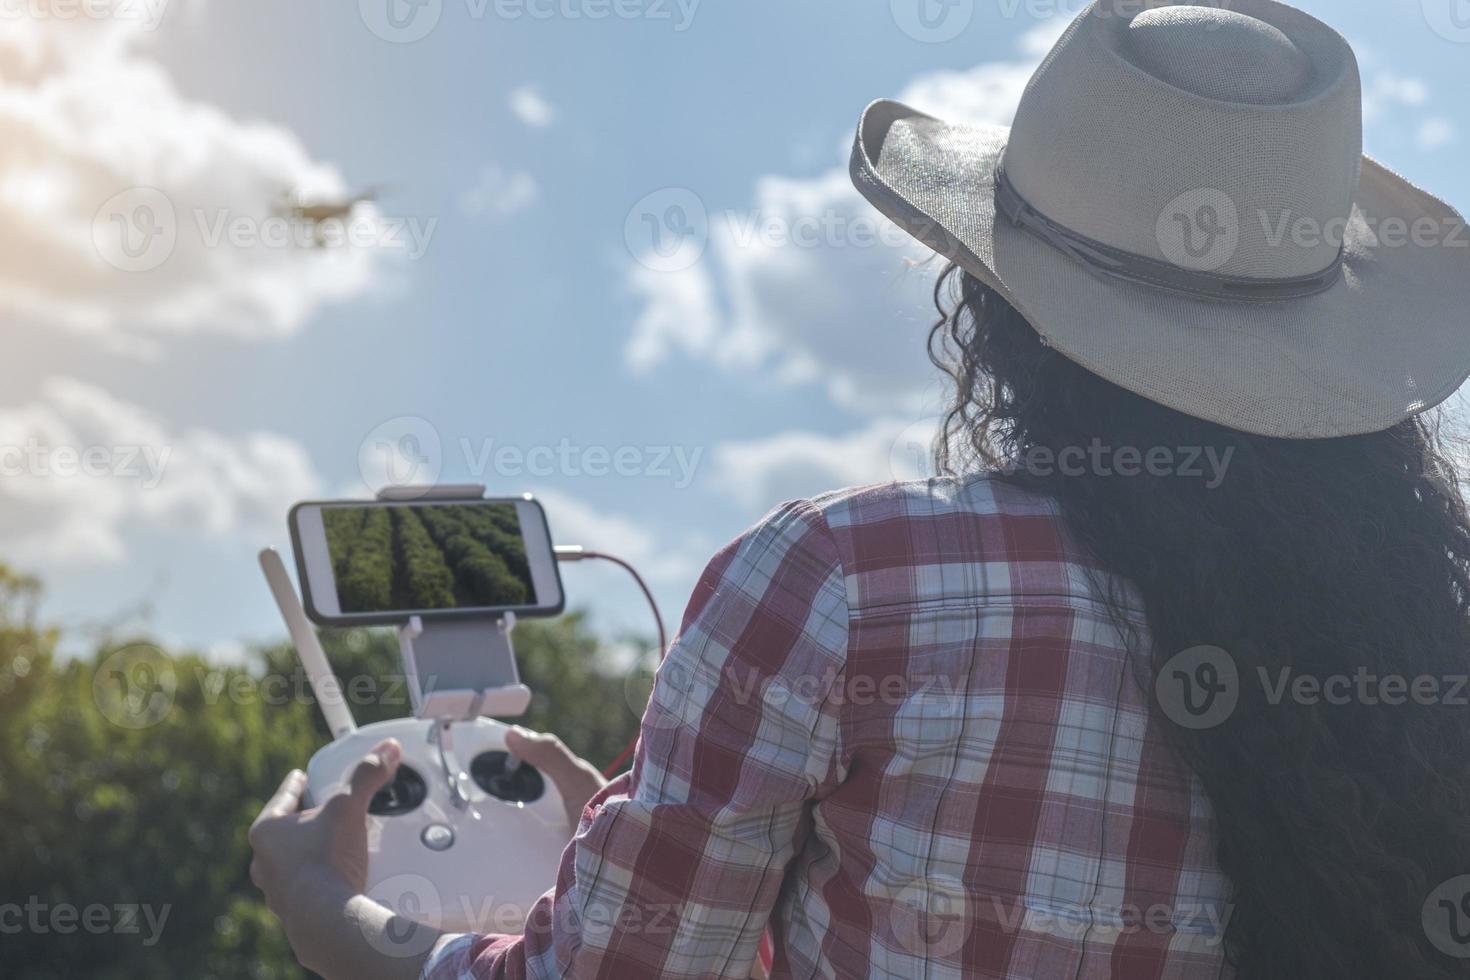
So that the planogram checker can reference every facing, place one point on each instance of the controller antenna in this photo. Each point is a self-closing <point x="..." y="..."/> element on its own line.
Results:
<point x="318" y="671"/>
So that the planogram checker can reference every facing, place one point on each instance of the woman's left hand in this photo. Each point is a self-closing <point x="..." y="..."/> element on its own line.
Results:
<point x="312" y="867"/>
<point x="327" y="842"/>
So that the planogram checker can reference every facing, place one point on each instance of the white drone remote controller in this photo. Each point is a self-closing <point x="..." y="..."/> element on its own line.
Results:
<point x="465" y="838"/>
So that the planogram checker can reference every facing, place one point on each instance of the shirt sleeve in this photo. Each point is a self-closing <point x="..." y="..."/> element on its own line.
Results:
<point x="676" y="866"/>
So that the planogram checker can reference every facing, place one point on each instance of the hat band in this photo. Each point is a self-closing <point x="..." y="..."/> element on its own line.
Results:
<point x="1116" y="263"/>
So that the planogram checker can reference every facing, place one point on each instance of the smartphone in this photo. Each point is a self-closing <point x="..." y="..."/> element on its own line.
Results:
<point x="380" y="562"/>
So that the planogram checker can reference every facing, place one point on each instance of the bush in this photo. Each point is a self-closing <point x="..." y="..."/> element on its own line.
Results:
<point x="490" y="565"/>
<point x="342" y="526"/>
<point x="367" y="585"/>
<point x="128" y="779"/>
<point x="427" y="581"/>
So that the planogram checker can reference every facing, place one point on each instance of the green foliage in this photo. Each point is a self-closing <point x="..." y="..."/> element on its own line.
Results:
<point x="483" y="573"/>
<point x="426" y="581"/>
<point x="343" y="526"/>
<point x="367" y="584"/>
<point x="500" y="529"/>
<point x="439" y="557"/>
<point x="129" y="778"/>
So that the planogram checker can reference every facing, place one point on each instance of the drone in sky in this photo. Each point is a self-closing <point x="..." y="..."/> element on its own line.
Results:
<point x="320" y="215"/>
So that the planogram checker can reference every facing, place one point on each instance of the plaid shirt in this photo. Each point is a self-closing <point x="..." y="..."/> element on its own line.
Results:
<point x="898" y="728"/>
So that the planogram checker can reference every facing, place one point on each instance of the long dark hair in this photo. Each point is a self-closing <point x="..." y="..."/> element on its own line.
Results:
<point x="1337" y="818"/>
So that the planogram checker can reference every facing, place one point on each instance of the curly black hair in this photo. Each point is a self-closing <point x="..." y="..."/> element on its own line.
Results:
<point x="1337" y="817"/>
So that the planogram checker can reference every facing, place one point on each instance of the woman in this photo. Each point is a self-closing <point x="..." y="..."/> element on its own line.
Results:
<point x="1172" y="685"/>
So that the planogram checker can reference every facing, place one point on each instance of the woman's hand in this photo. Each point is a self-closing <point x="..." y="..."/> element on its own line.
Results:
<point x="312" y="867"/>
<point x="326" y="843"/>
<point x="576" y="779"/>
<point x="312" y="864"/>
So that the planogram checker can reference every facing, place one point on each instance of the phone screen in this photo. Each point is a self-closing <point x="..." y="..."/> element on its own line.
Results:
<point x="373" y="560"/>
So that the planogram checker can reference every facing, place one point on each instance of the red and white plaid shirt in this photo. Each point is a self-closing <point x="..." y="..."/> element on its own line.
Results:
<point x="897" y="728"/>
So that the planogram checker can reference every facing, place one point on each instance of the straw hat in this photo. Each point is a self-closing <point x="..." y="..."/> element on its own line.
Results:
<point x="1183" y="207"/>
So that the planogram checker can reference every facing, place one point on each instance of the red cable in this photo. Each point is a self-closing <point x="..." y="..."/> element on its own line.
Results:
<point x="663" y="645"/>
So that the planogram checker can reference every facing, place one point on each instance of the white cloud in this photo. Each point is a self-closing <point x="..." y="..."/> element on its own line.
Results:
<point x="113" y="185"/>
<point x="80" y="467"/>
<point x="791" y="465"/>
<point x="810" y="285"/>
<point x="574" y="521"/>
<point x="987" y="94"/>
<point x="680" y="312"/>
<point x="1434" y="133"/>
<point x="1398" y="108"/>
<point x="499" y="193"/>
<point x="1385" y="91"/>
<point x="1398" y="114"/>
<point x="531" y="108"/>
<point x="1039" y="41"/>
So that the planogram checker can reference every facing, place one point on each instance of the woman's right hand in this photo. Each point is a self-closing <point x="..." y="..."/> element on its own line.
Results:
<point x="575" y="778"/>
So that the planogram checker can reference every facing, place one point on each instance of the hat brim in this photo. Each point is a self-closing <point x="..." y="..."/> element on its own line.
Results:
<point x="1388" y="342"/>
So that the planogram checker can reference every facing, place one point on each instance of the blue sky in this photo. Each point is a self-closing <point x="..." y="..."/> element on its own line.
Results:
<point x="508" y="295"/>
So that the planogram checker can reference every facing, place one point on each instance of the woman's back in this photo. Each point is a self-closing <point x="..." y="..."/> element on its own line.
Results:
<point x="1006" y="806"/>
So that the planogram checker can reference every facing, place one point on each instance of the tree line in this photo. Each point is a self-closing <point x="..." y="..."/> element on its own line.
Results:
<point x="440" y="557"/>
<point x="129" y="775"/>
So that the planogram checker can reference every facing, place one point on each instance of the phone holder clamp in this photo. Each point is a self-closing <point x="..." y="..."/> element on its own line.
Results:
<point x="497" y="691"/>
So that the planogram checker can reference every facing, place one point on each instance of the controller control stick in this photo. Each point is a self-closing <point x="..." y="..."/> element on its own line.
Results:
<point x="404" y="795"/>
<point x="498" y="776"/>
